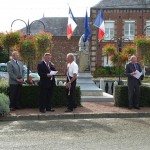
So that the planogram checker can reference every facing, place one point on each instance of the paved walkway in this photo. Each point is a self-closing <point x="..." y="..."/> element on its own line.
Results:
<point x="86" y="111"/>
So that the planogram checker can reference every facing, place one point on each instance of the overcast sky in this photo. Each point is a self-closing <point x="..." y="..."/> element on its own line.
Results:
<point x="34" y="9"/>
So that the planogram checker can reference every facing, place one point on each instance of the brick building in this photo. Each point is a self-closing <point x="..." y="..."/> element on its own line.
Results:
<point x="123" y="19"/>
<point x="58" y="27"/>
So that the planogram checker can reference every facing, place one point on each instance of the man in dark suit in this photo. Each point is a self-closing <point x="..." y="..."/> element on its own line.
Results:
<point x="16" y="79"/>
<point x="133" y="83"/>
<point x="46" y="83"/>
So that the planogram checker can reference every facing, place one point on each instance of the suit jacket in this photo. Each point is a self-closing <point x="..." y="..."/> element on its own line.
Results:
<point x="45" y="82"/>
<point x="15" y="71"/>
<point x="129" y="70"/>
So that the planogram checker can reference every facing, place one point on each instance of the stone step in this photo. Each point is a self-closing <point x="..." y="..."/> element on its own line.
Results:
<point x="91" y="93"/>
<point x="84" y="75"/>
<point x="104" y="98"/>
<point x="88" y="86"/>
<point x="85" y="81"/>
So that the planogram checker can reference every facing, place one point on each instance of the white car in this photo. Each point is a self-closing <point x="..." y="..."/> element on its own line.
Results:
<point x="4" y="73"/>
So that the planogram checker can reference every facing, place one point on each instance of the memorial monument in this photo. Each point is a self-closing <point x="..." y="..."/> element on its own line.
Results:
<point x="84" y="59"/>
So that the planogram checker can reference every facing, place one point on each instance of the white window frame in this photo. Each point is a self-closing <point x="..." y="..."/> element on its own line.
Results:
<point x="147" y="28"/>
<point x="109" y="37"/>
<point x="129" y="36"/>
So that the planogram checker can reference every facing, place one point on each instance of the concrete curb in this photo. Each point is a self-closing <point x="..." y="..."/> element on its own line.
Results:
<point x="76" y="116"/>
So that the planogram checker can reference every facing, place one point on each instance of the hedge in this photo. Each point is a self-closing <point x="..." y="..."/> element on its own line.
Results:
<point x="121" y="95"/>
<point x="30" y="96"/>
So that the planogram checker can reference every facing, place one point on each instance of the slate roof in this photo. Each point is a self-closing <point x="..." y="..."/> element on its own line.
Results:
<point x="56" y="25"/>
<point x="120" y="4"/>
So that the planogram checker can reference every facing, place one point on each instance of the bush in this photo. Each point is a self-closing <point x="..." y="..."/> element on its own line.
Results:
<point x="121" y="96"/>
<point x="30" y="96"/>
<point x="145" y="95"/>
<point x="4" y="104"/>
<point x="108" y="71"/>
<point x="4" y="86"/>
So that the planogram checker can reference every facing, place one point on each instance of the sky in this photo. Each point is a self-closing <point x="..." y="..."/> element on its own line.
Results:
<point x="35" y="9"/>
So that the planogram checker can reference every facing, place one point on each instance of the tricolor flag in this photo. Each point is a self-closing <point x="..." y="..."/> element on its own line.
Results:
<point x="86" y="28"/>
<point x="99" y="22"/>
<point x="71" y="24"/>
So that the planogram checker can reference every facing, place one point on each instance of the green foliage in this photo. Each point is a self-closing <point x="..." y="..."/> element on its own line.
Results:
<point x="10" y="39"/>
<point x="119" y="58"/>
<point x="30" y="95"/>
<point x="110" y="49"/>
<point x="4" y="104"/>
<point x="143" y="46"/>
<point x="4" y="86"/>
<point x="145" y="95"/>
<point x="43" y="41"/>
<point x="27" y="48"/>
<point x="121" y="96"/>
<point x="108" y="71"/>
<point x="3" y="56"/>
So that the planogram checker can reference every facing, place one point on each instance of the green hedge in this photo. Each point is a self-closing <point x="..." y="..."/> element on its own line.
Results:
<point x="121" y="96"/>
<point x="30" y="96"/>
<point x="4" y="104"/>
<point x="108" y="71"/>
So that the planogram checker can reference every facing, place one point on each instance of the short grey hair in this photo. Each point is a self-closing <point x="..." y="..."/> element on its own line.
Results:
<point x="47" y="54"/>
<point x="70" y="55"/>
<point x="14" y="53"/>
<point x="133" y="56"/>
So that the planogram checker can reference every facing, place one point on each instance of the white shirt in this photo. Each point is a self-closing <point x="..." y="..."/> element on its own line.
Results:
<point x="72" y="68"/>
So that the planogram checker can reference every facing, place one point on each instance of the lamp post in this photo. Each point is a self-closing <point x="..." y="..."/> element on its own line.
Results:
<point x="119" y="48"/>
<point x="28" y="32"/>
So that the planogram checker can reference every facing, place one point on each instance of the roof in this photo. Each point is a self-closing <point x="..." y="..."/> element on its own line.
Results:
<point x="121" y="4"/>
<point x="56" y="25"/>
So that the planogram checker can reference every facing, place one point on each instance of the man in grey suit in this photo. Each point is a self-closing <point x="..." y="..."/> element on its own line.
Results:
<point x="133" y="83"/>
<point x="16" y="78"/>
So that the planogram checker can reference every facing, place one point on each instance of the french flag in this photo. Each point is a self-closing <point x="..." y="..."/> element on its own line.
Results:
<point x="71" y="24"/>
<point x="99" y="22"/>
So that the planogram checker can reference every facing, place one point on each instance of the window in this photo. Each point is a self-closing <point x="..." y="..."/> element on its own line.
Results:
<point x="107" y="61"/>
<point x="129" y="30"/>
<point x="147" y="28"/>
<point x="109" y="30"/>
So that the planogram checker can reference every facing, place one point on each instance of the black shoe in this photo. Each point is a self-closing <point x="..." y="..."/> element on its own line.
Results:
<point x="68" y="110"/>
<point x="42" y="110"/>
<point x="12" y="109"/>
<point x="17" y="107"/>
<point x="137" y="107"/>
<point x="49" y="109"/>
<point x="75" y="106"/>
<point x="130" y="107"/>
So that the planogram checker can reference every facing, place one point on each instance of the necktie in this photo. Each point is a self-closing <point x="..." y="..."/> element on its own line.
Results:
<point x="18" y="69"/>
<point x="17" y="65"/>
<point x="134" y="67"/>
<point x="47" y="64"/>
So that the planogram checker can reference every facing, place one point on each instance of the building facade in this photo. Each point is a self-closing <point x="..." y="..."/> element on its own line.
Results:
<point x="124" y="19"/>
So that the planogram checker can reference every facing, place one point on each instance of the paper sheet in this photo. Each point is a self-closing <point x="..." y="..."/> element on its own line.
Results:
<point x="53" y="73"/>
<point x="138" y="74"/>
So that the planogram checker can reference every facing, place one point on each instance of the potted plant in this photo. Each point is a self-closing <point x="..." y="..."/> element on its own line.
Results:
<point x="130" y="49"/>
<point x="27" y="47"/>
<point x="109" y="49"/>
<point x="43" y="40"/>
<point x="11" y="39"/>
